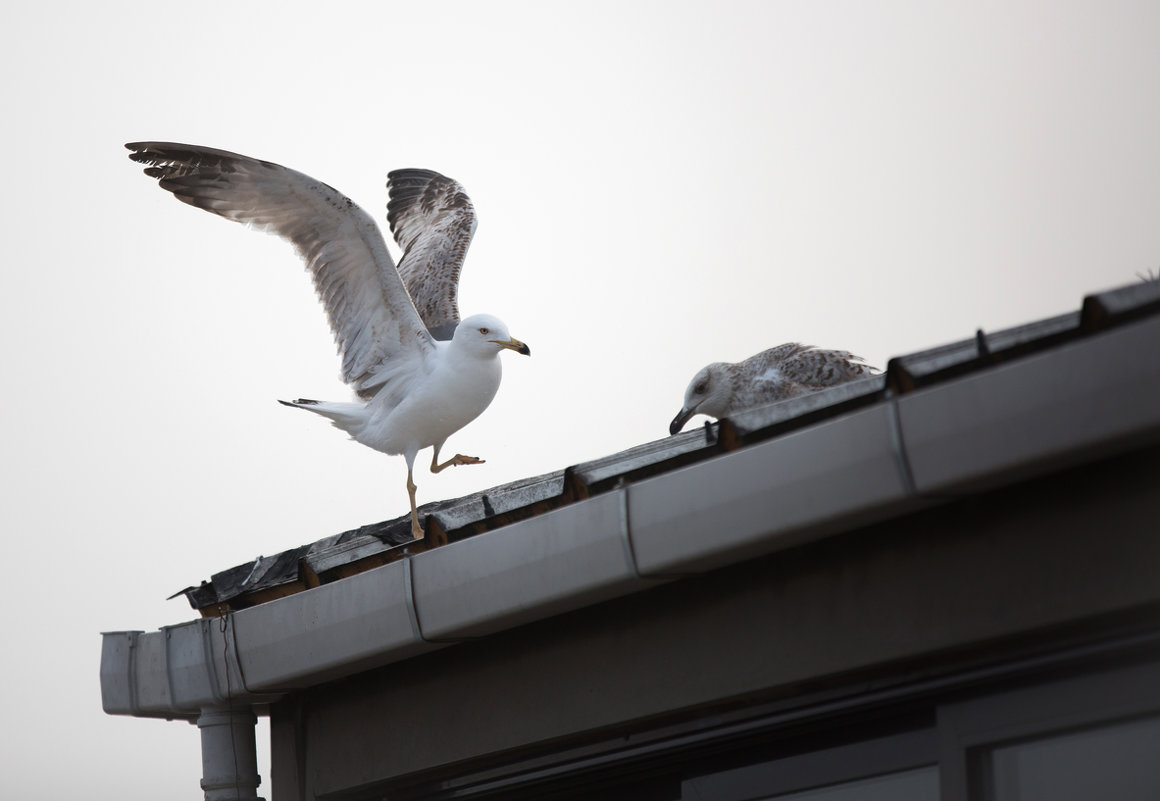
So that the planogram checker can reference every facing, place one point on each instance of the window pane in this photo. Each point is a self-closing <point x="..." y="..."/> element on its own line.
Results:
<point x="911" y="785"/>
<point x="1117" y="762"/>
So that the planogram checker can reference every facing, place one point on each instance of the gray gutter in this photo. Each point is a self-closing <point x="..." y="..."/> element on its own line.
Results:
<point x="1075" y="402"/>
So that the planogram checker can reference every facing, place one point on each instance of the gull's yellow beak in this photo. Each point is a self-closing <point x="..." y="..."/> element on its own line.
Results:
<point x="513" y="344"/>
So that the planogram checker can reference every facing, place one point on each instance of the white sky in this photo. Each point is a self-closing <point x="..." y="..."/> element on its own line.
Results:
<point x="659" y="184"/>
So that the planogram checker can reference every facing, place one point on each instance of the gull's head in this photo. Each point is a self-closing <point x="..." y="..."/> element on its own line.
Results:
<point x="487" y="336"/>
<point x="708" y="393"/>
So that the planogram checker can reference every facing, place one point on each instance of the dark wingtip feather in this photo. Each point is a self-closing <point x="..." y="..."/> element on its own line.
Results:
<point x="413" y="174"/>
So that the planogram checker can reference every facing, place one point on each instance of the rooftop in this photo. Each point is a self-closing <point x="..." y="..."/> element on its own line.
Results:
<point x="351" y="552"/>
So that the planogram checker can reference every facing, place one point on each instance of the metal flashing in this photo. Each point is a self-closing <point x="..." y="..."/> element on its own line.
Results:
<point x="978" y="414"/>
<point x="907" y="373"/>
<point x="768" y="496"/>
<point x="1120" y="305"/>
<point x="763" y="422"/>
<point x="360" y="621"/>
<point x="1044" y="412"/>
<point x="600" y="475"/>
<point x="562" y="560"/>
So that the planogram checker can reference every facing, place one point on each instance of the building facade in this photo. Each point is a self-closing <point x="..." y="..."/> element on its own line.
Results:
<point x="941" y="583"/>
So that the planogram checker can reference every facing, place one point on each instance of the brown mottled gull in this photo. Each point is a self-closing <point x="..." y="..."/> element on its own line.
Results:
<point x="418" y="371"/>
<point x="789" y="370"/>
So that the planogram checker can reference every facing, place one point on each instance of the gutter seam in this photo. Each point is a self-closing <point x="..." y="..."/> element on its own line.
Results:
<point x="413" y="609"/>
<point x="409" y="599"/>
<point x="173" y="700"/>
<point x="229" y="624"/>
<point x="211" y="663"/>
<point x="134" y="700"/>
<point x="625" y="533"/>
<point x="898" y="446"/>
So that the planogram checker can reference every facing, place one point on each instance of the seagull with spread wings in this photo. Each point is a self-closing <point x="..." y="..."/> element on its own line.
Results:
<point x="418" y="371"/>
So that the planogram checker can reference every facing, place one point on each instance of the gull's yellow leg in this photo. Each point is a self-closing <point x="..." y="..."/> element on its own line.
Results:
<point x="457" y="459"/>
<point x="416" y="529"/>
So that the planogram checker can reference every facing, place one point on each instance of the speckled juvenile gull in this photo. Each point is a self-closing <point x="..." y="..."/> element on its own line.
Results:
<point x="418" y="371"/>
<point x="789" y="370"/>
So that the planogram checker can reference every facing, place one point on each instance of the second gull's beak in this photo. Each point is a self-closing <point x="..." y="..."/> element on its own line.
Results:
<point x="679" y="421"/>
<point x="513" y="344"/>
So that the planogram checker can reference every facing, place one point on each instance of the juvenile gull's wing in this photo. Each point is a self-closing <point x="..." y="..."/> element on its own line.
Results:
<point x="789" y="370"/>
<point x="379" y="333"/>
<point x="433" y="221"/>
<point x="818" y="368"/>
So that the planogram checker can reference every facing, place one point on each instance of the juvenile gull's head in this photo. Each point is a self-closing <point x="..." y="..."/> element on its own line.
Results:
<point x="708" y="393"/>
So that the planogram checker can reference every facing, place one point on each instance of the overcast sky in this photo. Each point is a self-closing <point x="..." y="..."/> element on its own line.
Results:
<point x="659" y="185"/>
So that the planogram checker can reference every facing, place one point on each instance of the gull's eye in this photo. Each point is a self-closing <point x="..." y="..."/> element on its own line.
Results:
<point x="699" y="389"/>
<point x="484" y="331"/>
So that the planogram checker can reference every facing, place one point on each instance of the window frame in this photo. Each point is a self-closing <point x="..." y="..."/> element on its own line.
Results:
<point x="826" y="767"/>
<point x="969" y="730"/>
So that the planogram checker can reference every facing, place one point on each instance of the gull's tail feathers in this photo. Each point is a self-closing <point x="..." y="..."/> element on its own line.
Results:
<point x="350" y="417"/>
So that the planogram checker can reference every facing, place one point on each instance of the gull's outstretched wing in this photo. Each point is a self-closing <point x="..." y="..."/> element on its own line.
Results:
<point x="379" y="333"/>
<point x="433" y="221"/>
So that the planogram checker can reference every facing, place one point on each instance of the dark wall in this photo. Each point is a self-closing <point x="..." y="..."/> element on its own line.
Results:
<point x="1060" y="559"/>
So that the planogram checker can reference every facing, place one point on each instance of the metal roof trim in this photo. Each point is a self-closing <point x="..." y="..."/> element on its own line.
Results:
<point x="766" y="421"/>
<point x="563" y="560"/>
<point x="1092" y="396"/>
<point x="599" y="475"/>
<point x="1042" y="413"/>
<point x="769" y="496"/>
<point x="329" y="631"/>
<point x="1121" y="304"/>
<point x="915" y="370"/>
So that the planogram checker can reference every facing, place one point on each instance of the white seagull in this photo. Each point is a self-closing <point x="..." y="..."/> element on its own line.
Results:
<point x="789" y="370"/>
<point x="419" y="372"/>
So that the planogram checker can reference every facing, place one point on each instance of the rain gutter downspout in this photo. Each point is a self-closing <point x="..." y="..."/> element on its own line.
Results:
<point x="229" y="761"/>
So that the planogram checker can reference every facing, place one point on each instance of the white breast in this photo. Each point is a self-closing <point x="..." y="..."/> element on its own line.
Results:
<point x="455" y="393"/>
